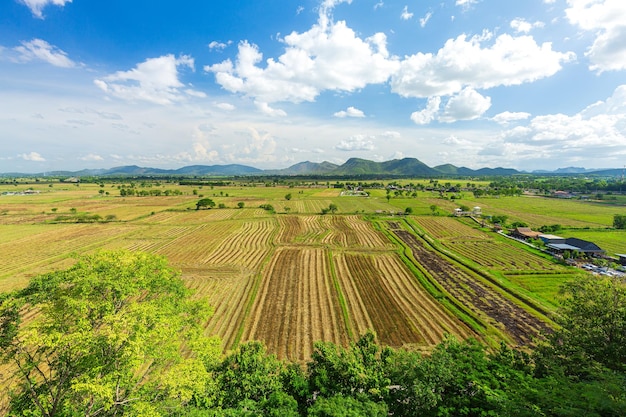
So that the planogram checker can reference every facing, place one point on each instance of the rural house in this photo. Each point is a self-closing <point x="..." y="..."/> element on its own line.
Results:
<point x="524" y="233"/>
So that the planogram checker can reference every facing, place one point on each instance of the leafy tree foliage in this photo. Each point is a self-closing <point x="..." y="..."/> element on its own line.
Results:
<point x="106" y="330"/>
<point x="619" y="221"/>
<point x="592" y="325"/>
<point x="205" y="202"/>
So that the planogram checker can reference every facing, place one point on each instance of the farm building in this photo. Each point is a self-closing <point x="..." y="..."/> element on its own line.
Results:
<point x="573" y="244"/>
<point x="476" y="211"/>
<point x="551" y="238"/>
<point x="524" y="233"/>
<point x="622" y="258"/>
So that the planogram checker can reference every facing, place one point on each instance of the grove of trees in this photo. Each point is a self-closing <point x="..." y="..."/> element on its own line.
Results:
<point x="119" y="334"/>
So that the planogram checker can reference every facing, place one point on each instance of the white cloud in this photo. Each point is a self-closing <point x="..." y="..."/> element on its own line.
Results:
<point x="465" y="3"/>
<point x="597" y="132"/>
<point x="606" y="19"/>
<point x="91" y="157"/>
<point x="219" y="45"/>
<point x="522" y="26"/>
<point x="329" y="56"/>
<point x="463" y="62"/>
<point x="429" y="114"/>
<point x="508" y="117"/>
<point x="266" y="109"/>
<point x="379" y="5"/>
<point x="466" y="105"/>
<point x="406" y="15"/>
<point x="38" y="49"/>
<point x="32" y="156"/>
<point x="225" y="106"/>
<point x="36" y="6"/>
<point x="349" y="112"/>
<point x="155" y="80"/>
<point x="356" y="143"/>
<point x="425" y="19"/>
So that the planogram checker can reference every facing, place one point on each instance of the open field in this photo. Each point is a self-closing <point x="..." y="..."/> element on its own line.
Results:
<point x="293" y="276"/>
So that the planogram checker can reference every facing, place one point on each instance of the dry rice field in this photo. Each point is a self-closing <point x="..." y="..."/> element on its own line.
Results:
<point x="288" y="279"/>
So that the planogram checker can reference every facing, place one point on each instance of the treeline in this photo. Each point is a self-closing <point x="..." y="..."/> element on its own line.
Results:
<point x="118" y="334"/>
<point x="547" y="184"/>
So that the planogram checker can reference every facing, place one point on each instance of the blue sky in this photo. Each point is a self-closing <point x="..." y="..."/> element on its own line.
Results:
<point x="536" y="84"/>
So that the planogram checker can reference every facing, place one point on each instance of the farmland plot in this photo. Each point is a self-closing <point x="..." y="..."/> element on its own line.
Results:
<point x="382" y="294"/>
<point x="27" y="254"/>
<point x="482" y="248"/>
<point x="245" y="246"/>
<point x="481" y="298"/>
<point x="297" y="304"/>
<point x="351" y="232"/>
<point x="227" y="290"/>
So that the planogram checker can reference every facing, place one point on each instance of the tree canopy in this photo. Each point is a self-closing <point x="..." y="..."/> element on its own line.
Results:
<point x="103" y="334"/>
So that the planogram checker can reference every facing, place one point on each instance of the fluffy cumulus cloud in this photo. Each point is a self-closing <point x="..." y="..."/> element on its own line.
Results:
<point x="349" y="112"/>
<point x="40" y="50"/>
<point x="155" y="80"/>
<point x="428" y="114"/>
<point x="270" y="111"/>
<point x="467" y="105"/>
<point x="356" y="143"/>
<point x="606" y="19"/>
<point x="464" y="62"/>
<point x="36" y="6"/>
<point x="329" y="56"/>
<point x="599" y="131"/>
<point x="219" y="45"/>
<point x="523" y="26"/>
<point x="32" y="156"/>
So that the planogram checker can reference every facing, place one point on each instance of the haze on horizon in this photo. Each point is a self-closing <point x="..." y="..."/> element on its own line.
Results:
<point x="475" y="83"/>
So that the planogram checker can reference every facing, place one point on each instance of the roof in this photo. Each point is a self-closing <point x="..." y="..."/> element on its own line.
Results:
<point x="526" y="231"/>
<point x="572" y="243"/>
<point x="584" y="245"/>
<point x="562" y="246"/>
<point x="550" y="237"/>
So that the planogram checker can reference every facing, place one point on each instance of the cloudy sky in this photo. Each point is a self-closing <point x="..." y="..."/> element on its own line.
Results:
<point x="533" y="84"/>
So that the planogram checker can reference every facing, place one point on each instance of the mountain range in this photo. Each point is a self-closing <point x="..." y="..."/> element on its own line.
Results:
<point x="355" y="167"/>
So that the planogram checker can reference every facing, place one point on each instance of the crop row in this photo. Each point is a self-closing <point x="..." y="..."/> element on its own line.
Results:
<point x="447" y="227"/>
<point x="245" y="247"/>
<point x="469" y="290"/>
<point x="296" y="305"/>
<point x="381" y="294"/>
<point x="497" y="256"/>
<point x="227" y="291"/>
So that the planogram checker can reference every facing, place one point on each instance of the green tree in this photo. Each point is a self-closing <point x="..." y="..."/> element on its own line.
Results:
<point x="332" y="208"/>
<point x="241" y="204"/>
<point x="408" y="210"/>
<point x="103" y="334"/>
<point x="288" y="196"/>
<point x="251" y="379"/>
<point x="619" y="221"/>
<point x="592" y="325"/>
<point x="205" y="202"/>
